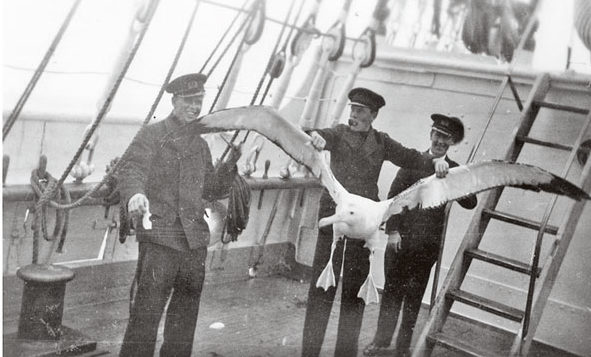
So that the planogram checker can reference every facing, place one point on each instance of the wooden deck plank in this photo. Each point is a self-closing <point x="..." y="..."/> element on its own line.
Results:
<point x="262" y="317"/>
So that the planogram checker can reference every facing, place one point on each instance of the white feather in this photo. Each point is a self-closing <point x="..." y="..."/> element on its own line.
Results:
<point x="360" y="217"/>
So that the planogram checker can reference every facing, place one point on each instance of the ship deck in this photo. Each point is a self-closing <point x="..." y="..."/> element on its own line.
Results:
<point x="262" y="317"/>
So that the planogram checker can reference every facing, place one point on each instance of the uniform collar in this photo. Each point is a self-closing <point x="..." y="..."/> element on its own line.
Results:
<point x="431" y="153"/>
<point x="365" y="142"/>
<point x="178" y="133"/>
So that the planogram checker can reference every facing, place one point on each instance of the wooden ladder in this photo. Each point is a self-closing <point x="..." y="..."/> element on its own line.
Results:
<point x="529" y="318"/>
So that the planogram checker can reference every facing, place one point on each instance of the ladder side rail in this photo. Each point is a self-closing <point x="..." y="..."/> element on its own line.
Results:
<point x="515" y="93"/>
<point x="552" y="265"/>
<point x="475" y="231"/>
<point x="547" y="214"/>
<point x="457" y="270"/>
<point x="539" y="91"/>
<point x="506" y="80"/>
<point x="528" y="115"/>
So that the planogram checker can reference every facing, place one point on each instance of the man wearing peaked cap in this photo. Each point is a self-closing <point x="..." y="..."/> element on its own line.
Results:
<point x="447" y="125"/>
<point x="187" y="85"/>
<point x="168" y="172"/>
<point x="366" y="98"/>
<point x="187" y="96"/>
<point x="413" y="246"/>
<point x="357" y="154"/>
<point x="365" y="105"/>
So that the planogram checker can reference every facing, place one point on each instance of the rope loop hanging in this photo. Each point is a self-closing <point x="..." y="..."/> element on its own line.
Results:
<point x="257" y="25"/>
<point x="238" y="210"/>
<point x="175" y="61"/>
<point x="368" y="41"/>
<point x="368" y="37"/>
<point x="337" y="33"/>
<point x="110" y="179"/>
<point x="240" y="195"/>
<point x="45" y="188"/>
<point x="307" y="33"/>
<point x="223" y="37"/>
<point x="104" y="109"/>
<point x="277" y="61"/>
<point x="261" y="81"/>
<point x="248" y="22"/>
<point x="274" y="69"/>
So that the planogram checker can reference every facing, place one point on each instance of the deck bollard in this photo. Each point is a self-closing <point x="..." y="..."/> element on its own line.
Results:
<point x="40" y="329"/>
<point x="42" y="305"/>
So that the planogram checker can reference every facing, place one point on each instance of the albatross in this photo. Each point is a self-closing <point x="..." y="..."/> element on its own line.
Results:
<point x="359" y="217"/>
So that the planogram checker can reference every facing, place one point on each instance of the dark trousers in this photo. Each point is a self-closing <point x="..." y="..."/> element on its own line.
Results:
<point x="161" y="270"/>
<point x="356" y="268"/>
<point x="406" y="277"/>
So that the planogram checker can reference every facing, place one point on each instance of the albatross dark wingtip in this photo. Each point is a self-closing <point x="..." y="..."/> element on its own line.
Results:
<point x="564" y="187"/>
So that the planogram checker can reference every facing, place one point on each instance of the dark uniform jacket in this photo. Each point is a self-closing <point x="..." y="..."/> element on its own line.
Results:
<point x="357" y="158"/>
<point x="171" y="164"/>
<point x="420" y="229"/>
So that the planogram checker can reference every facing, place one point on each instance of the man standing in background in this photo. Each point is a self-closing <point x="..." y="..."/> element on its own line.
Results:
<point x="414" y="238"/>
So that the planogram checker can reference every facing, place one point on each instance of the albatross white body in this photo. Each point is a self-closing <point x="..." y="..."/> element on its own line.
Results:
<point x="359" y="217"/>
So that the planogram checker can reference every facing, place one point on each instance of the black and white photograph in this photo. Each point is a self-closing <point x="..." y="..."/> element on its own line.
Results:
<point x="278" y="178"/>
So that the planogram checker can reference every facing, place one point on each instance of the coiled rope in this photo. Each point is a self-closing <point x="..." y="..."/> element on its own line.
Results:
<point x="237" y="189"/>
<point x="238" y="210"/>
<point x="240" y="195"/>
<point x="50" y="190"/>
<point x="43" y="184"/>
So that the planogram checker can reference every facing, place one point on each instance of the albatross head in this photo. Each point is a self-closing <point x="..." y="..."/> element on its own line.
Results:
<point x="356" y="216"/>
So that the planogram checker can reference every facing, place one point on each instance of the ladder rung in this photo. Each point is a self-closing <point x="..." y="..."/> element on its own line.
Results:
<point x="566" y="108"/>
<point x="499" y="260"/>
<point x="527" y="139"/>
<point x="519" y="221"/>
<point x="454" y="344"/>
<point x="485" y="304"/>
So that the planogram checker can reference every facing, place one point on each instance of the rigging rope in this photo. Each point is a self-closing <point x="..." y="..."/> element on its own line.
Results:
<point x="152" y="9"/>
<point x="222" y="39"/>
<point x="261" y="81"/>
<point x="249" y="19"/>
<point x="238" y="210"/>
<point x="104" y="109"/>
<point x="174" y="63"/>
<point x="38" y="72"/>
<point x="239" y="197"/>
<point x="108" y="177"/>
<point x="274" y="72"/>
<point x="217" y="46"/>
<point x="39" y="226"/>
<point x="47" y="195"/>
<point x="50" y="190"/>
<point x="239" y="202"/>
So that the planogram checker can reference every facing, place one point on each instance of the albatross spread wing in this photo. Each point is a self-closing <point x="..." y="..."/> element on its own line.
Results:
<point x="464" y="180"/>
<point x="268" y="122"/>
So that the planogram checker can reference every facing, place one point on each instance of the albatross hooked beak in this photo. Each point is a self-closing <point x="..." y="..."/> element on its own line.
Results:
<point x="327" y="221"/>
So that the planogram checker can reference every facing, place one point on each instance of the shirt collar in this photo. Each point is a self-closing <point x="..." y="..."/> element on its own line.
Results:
<point x="443" y="157"/>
